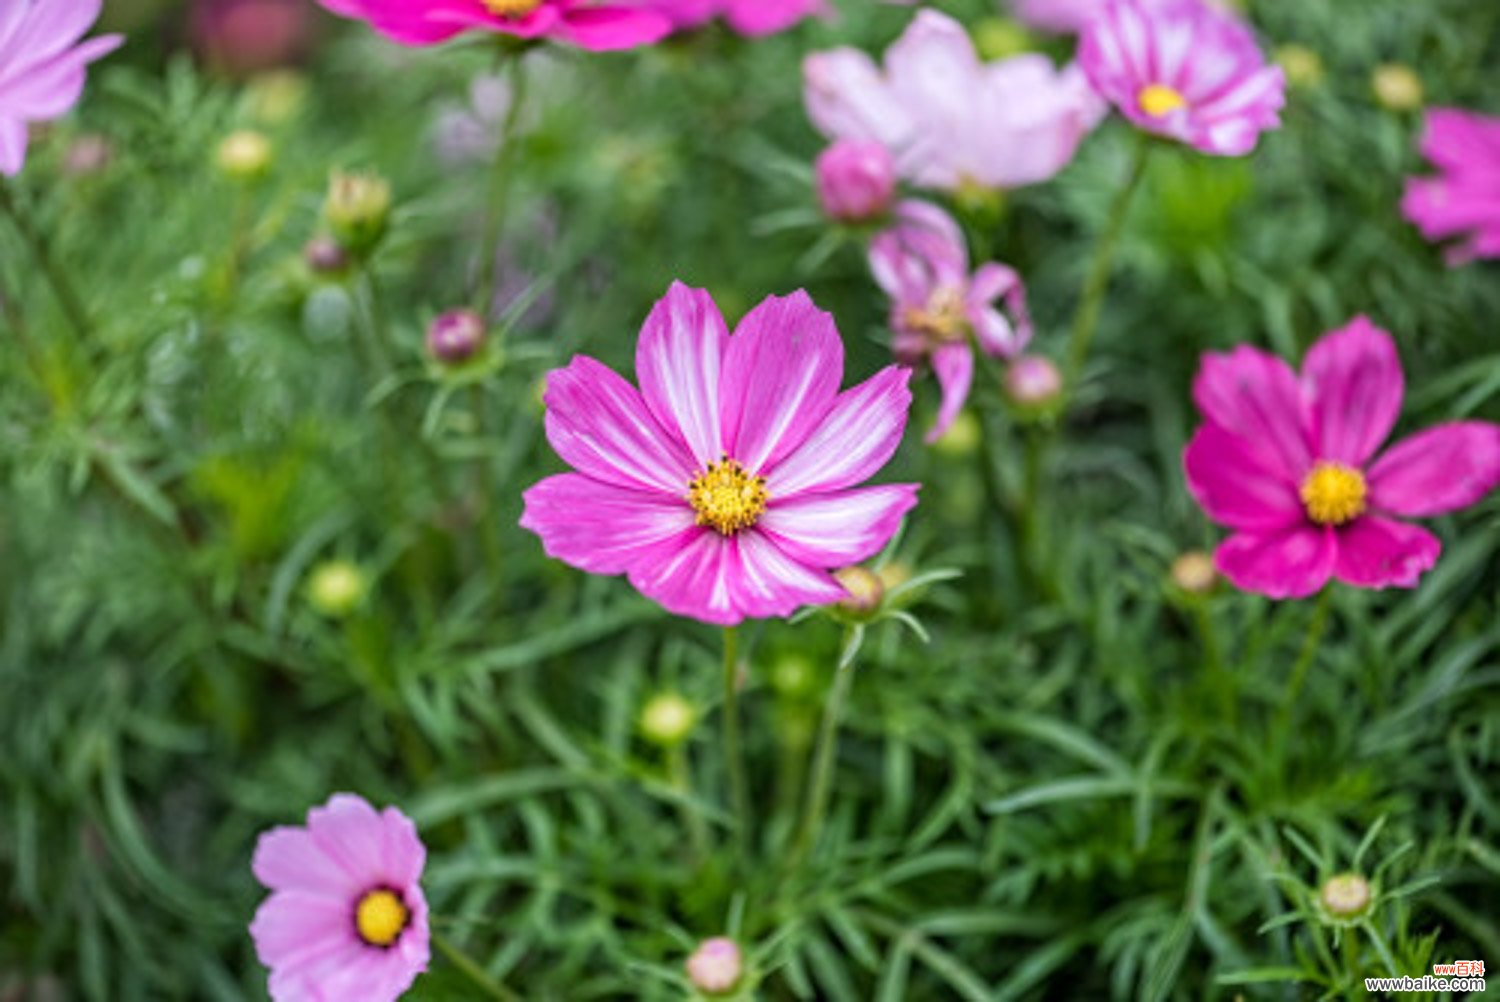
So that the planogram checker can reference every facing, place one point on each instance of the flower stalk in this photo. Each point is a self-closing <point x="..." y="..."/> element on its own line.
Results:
<point x="499" y="186"/>
<point x="734" y="753"/>
<point x="825" y="753"/>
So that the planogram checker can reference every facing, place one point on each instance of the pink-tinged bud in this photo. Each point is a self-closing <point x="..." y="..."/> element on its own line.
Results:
<point x="90" y="153"/>
<point x="1194" y="573"/>
<point x="856" y="180"/>
<point x="716" y="966"/>
<point x="324" y="256"/>
<point x="455" y="336"/>
<point x="1033" y="382"/>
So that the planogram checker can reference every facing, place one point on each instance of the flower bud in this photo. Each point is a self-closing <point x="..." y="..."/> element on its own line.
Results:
<point x="1345" y="896"/>
<point x="1397" y="87"/>
<point x="716" y="966"/>
<point x="276" y="97"/>
<point x="244" y="155"/>
<point x="894" y="574"/>
<point x="667" y="719"/>
<point x="357" y="209"/>
<point x="792" y="675"/>
<point x="1194" y="573"/>
<point x="1303" y="66"/>
<point x="87" y="154"/>
<point x="856" y="180"/>
<point x="864" y="590"/>
<point x="1033" y="383"/>
<point x="324" y="256"/>
<point x="455" y="336"/>
<point x="336" y="588"/>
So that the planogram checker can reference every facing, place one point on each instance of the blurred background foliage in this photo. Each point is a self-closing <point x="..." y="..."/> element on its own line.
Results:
<point x="1086" y="785"/>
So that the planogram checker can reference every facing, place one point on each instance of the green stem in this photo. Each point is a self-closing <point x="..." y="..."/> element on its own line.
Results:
<point x="1310" y="643"/>
<point x="824" y="756"/>
<point x="1086" y="321"/>
<point x="472" y="970"/>
<point x="41" y="252"/>
<point x="1213" y="657"/>
<point x="499" y="188"/>
<point x="734" y="754"/>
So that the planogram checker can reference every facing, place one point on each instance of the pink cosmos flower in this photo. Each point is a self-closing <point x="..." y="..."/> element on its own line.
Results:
<point x="1464" y="199"/>
<point x="1185" y="70"/>
<point x="1289" y="464"/>
<point x="753" y="18"/>
<point x="922" y="263"/>
<point x="346" y="918"/>
<point x="1063" y="16"/>
<point x="725" y="487"/>
<point x="598" y="27"/>
<point x="949" y="119"/>
<point x="42" y="66"/>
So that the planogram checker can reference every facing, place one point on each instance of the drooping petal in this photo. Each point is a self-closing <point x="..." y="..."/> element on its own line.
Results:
<point x="678" y="361"/>
<point x="1354" y="387"/>
<point x="1257" y="396"/>
<point x="1379" y="552"/>
<point x="1439" y="470"/>
<point x="1236" y="485"/>
<point x="838" y="529"/>
<point x="997" y="334"/>
<point x="603" y="528"/>
<point x="953" y="365"/>
<point x="1293" y="563"/>
<point x="607" y="29"/>
<point x="856" y="439"/>
<point x="781" y="377"/>
<point x="600" y="426"/>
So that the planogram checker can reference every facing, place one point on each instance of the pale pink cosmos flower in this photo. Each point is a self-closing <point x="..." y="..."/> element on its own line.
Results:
<point x="1463" y="199"/>
<point x="938" y="309"/>
<point x="752" y="18"/>
<point x="1184" y="70"/>
<point x="346" y="918"/>
<point x="42" y="64"/>
<point x="949" y="119"/>
<point x="1289" y="463"/>
<point x="582" y="23"/>
<point x="725" y="487"/>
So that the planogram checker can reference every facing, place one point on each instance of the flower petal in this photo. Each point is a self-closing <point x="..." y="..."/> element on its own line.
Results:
<point x="608" y="29"/>
<point x="297" y="929"/>
<point x="678" y="362"/>
<point x="781" y="377"/>
<point x="352" y="835"/>
<point x="835" y="530"/>
<point x="290" y="859"/>
<point x="1354" y="389"/>
<point x="600" y="426"/>
<point x="1442" y="469"/>
<point x="1236" y="485"/>
<point x="1294" y="563"/>
<point x="1256" y="396"/>
<point x="953" y="365"/>
<point x="692" y="581"/>
<point x="1382" y="553"/>
<point x="604" y="529"/>
<point x="765" y="581"/>
<point x="856" y="439"/>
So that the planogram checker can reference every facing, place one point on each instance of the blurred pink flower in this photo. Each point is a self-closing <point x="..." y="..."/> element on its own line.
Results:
<point x="950" y="119"/>
<point x="346" y="918"/>
<point x="922" y="263"/>
<point x="753" y="18"/>
<point x="716" y="966"/>
<point x="1287" y="464"/>
<point x="42" y="66"/>
<point x="577" y="22"/>
<point x="856" y="180"/>
<point x="725" y="487"/>
<point x="1463" y="199"/>
<point x="1182" y="69"/>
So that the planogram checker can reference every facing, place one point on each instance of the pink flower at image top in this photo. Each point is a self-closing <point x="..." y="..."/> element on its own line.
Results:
<point x="726" y="486"/>
<point x="1463" y="200"/>
<point x="950" y="119"/>
<point x="939" y="311"/>
<point x="1184" y="70"/>
<point x="346" y="918"/>
<point x="1290" y="465"/>
<point x="42" y="66"/>
<point x="752" y="18"/>
<point x="582" y="23"/>
<point x="1063" y="16"/>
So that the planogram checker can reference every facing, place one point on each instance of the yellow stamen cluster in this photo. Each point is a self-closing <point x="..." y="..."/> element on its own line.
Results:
<point x="380" y="917"/>
<point x="727" y="498"/>
<point x="942" y="319"/>
<point x="1334" y="493"/>
<point x="1159" y="100"/>
<point x="511" y="8"/>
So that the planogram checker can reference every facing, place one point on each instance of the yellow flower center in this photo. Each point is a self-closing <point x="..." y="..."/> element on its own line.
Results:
<point x="727" y="498"/>
<point x="511" y="8"/>
<point x="380" y="917"/>
<point x="942" y="319"/>
<point x="1157" y="100"/>
<point x="1333" y="493"/>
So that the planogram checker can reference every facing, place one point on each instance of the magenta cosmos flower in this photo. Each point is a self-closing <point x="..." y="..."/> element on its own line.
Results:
<point x="1185" y="70"/>
<point x="725" y="487"/>
<point x="938" y="309"/>
<point x="1288" y="464"/>
<point x="346" y="918"/>
<point x="752" y="18"/>
<point x="949" y="119"/>
<point x="1463" y="200"/>
<point x="42" y="66"/>
<point x="578" y="22"/>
